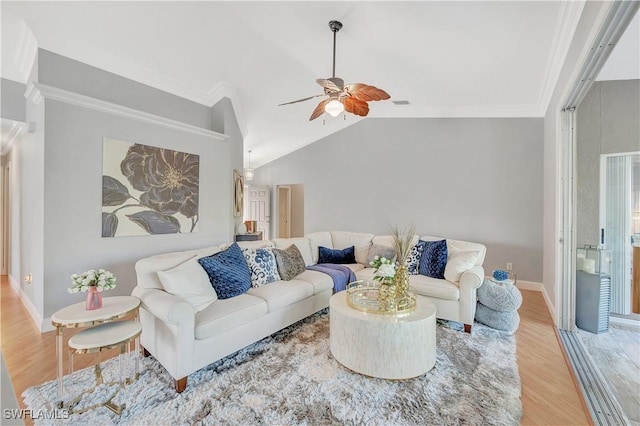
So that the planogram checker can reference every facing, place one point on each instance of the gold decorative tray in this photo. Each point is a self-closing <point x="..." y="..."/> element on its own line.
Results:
<point x="364" y="296"/>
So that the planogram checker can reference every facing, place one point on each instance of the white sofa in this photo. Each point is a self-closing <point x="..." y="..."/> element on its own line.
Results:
<point x="184" y="340"/>
<point x="455" y="300"/>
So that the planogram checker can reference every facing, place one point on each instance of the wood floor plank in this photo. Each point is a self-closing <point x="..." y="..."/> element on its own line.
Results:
<point x="549" y="393"/>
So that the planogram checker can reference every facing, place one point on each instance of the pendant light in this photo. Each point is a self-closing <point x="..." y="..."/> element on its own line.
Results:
<point x="248" y="172"/>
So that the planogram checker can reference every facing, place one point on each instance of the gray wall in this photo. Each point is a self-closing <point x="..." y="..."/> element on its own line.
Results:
<point x="12" y="101"/>
<point x="59" y="185"/>
<point x="607" y="122"/>
<point x="471" y="179"/>
<point x="65" y="73"/>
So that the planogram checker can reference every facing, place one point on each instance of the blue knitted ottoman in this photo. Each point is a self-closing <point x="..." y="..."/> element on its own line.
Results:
<point x="498" y="305"/>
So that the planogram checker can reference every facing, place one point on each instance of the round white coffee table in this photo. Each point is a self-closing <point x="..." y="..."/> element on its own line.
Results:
<point x="384" y="346"/>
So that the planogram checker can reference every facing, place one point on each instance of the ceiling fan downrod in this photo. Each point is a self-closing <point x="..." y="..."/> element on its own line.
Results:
<point x="335" y="27"/>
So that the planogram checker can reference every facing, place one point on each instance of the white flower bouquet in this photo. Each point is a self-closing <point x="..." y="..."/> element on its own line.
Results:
<point x="384" y="269"/>
<point x="101" y="279"/>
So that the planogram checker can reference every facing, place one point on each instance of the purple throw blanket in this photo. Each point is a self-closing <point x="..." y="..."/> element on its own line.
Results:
<point x="340" y="274"/>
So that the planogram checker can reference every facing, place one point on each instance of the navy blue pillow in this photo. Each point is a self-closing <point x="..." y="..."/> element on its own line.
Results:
<point x="344" y="256"/>
<point x="433" y="259"/>
<point x="228" y="272"/>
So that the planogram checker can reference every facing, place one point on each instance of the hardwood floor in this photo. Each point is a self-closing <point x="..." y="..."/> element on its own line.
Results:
<point x="549" y="394"/>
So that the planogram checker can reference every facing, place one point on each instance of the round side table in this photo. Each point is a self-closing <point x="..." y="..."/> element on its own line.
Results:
<point x="76" y="315"/>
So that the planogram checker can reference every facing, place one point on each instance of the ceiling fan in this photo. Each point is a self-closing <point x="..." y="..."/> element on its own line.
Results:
<point x="351" y="98"/>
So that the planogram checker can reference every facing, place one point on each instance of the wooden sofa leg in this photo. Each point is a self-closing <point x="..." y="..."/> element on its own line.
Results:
<point x="467" y="328"/>
<point x="181" y="384"/>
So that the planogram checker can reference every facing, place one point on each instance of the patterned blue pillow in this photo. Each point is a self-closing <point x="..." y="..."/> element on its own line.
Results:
<point x="228" y="272"/>
<point x="262" y="264"/>
<point x="413" y="260"/>
<point x="344" y="256"/>
<point x="434" y="259"/>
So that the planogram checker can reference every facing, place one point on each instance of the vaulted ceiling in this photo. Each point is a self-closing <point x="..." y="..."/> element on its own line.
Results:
<point x="447" y="59"/>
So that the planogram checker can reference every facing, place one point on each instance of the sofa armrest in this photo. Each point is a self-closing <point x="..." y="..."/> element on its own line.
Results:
<point x="470" y="281"/>
<point x="165" y="306"/>
<point x="472" y="278"/>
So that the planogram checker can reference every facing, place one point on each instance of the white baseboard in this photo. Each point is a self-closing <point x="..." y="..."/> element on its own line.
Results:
<point x="29" y="306"/>
<point x="536" y="286"/>
<point x="46" y="325"/>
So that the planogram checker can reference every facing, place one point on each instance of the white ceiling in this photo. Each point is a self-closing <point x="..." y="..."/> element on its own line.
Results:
<point x="448" y="59"/>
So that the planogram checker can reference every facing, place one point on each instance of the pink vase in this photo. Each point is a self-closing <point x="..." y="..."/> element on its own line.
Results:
<point x="94" y="299"/>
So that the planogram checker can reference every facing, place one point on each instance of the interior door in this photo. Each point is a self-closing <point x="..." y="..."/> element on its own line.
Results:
<point x="257" y="208"/>
<point x="284" y="212"/>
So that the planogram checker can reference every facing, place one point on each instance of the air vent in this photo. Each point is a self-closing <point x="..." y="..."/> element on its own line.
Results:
<point x="401" y="102"/>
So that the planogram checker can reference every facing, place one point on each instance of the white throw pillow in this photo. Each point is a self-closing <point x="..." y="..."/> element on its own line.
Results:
<point x="190" y="282"/>
<point x="458" y="262"/>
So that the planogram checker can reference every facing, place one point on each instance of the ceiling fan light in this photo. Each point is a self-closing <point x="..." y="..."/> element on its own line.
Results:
<point x="334" y="108"/>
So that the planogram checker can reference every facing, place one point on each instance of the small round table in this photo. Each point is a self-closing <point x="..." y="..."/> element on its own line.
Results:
<point x="383" y="346"/>
<point x="76" y="315"/>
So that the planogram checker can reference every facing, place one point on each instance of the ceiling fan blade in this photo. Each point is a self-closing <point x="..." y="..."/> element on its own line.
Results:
<point x="355" y="106"/>
<point x="364" y="92"/>
<point x="328" y="84"/>
<point x="319" y="109"/>
<point x="301" y="100"/>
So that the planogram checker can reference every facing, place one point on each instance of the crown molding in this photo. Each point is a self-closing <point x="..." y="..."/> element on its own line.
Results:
<point x="226" y="90"/>
<point x="26" y="51"/>
<point x="16" y="130"/>
<point x="56" y="94"/>
<point x="33" y="93"/>
<point x="568" y="20"/>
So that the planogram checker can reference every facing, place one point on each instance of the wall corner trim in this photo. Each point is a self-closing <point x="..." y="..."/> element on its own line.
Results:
<point x="61" y="95"/>
<point x="33" y="93"/>
<point x="226" y="90"/>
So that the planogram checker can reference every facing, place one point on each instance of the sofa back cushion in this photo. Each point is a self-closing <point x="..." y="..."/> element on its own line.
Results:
<point x="250" y="244"/>
<point x="317" y="239"/>
<point x="361" y="241"/>
<point x="380" y="251"/>
<point x="459" y="245"/>
<point x="303" y="246"/>
<point x="228" y="272"/>
<point x="147" y="268"/>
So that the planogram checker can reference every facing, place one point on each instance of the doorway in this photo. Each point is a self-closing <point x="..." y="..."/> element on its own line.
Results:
<point x="257" y="208"/>
<point x="290" y="210"/>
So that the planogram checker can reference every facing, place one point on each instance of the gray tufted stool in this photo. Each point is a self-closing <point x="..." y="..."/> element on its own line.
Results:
<point x="498" y="303"/>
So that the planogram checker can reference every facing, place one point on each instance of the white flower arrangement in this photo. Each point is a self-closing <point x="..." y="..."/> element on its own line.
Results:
<point x="102" y="279"/>
<point x="384" y="269"/>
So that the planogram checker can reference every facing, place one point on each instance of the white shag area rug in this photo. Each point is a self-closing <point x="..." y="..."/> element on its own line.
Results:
<point x="290" y="378"/>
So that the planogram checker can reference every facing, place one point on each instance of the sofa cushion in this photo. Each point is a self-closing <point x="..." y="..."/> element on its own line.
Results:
<point x="226" y="315"/>
<point x="336" y="256"/>
<point x="380" y="251"/>
<point x="249" y="244"/>
<point x="303" y="246"/>
<point x="189" y="282"/>
<point x="434" y="287"/>
<point x="360" y="240"/>
<point x="433" y="259"/>
<point x="279" y="294"/>
<point x="317" y="239"/>
<point x="320" y="281"/>
<point x="228" y="272"/>
<point x="262" y="265"/>
<point x="458" y="262"/>
<point x="290" y="262"/>
<point x="355" y="267"/>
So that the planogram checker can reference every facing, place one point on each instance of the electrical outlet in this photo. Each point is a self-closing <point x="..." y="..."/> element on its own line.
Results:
<point x="28" y="278"/>
<point x="509" y="266"/>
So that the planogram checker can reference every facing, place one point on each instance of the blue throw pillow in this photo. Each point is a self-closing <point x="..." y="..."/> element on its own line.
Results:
<point x="228" y="272"/>
<point x="344" y="256"/>
<point x="433" y="259"/>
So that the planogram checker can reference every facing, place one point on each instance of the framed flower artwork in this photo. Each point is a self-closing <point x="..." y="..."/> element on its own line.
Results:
<point x="148" y="190"/>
